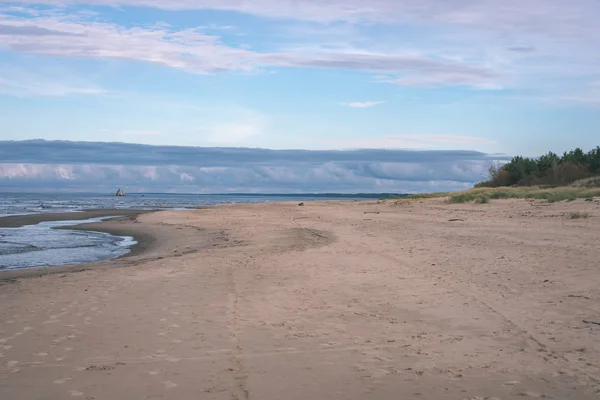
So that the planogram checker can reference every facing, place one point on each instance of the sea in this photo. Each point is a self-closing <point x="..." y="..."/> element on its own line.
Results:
<point x="41" y="245"/>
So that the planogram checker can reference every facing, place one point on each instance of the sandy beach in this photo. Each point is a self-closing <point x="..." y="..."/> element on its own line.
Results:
<point x="332" y="300"/>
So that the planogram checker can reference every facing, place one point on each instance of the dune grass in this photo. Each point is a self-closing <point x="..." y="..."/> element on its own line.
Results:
<point x="483" y="195"/>
<point x="578" y="215"/>
<point x="593" y="182"/>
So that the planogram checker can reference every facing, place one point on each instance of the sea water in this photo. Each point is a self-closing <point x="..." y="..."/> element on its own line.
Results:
<point x="33" y="203"/>
<point x="42" y="245"/>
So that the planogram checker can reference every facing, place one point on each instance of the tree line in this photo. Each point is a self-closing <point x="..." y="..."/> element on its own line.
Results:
<point x="549" y="169"/>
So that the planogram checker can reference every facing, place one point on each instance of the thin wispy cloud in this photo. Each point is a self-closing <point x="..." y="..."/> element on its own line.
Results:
<point x="412" y="141"/>
<point x="363" y="104"/>
<point x="522" y="49"/>
<point x="142" y="132"/>
<point x="194" y="51"/>
<point x="23" y="84"/>
<point x="560" y="17"/>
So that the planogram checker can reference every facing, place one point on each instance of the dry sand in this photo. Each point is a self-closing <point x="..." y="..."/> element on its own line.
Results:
<point x="327" y="301"/>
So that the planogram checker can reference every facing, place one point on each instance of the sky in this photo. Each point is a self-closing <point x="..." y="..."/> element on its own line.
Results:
<point x="413" y="76"/>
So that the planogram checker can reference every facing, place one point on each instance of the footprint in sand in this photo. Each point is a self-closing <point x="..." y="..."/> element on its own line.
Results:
<point x="481" y="398"/>
<point x="169" y="384"/>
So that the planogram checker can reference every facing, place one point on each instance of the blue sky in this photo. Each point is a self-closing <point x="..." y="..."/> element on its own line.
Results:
<point x="506" y="77"/>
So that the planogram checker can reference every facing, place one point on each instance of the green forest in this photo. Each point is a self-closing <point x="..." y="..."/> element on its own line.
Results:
<point x="547" y="170"/>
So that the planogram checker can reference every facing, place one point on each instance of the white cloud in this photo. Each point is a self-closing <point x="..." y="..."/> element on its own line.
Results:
<point x="193" y="51"/>
<point x="481" y="44"/>
<point x="437" y="79"/>
<point x="559" y="17"/>
<point x="363" y="104"/>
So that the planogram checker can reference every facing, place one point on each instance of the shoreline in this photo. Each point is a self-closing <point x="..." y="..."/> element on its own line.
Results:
<point x="18" y="221"/>
<point x="123" y="224"/>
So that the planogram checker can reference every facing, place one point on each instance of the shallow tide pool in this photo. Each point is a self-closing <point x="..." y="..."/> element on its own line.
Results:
<point x="41" y="245"/>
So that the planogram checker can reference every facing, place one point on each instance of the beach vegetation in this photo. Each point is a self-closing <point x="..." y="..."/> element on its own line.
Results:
<point x="578" y="215"/>
<point x="550" y="170"/>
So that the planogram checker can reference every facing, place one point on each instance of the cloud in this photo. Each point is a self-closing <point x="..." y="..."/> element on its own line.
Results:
<point x="142" y="132"/>
<point x="242" y="125"/>
<point x="58" y="152"/>
<point x="363" y="104"/>
<point x="558" y="17"/>
<point x="483" y="80"/>
<point x="19" y="83"/>
<point x="480" y="44"/>
<point x="413" y="142"/>
<point x="593" y="101"/>
<point x="194" y="51"/>
<point x="103" y="166"/>
<point x="521" y="49"/>
<point x="30" y="31"/>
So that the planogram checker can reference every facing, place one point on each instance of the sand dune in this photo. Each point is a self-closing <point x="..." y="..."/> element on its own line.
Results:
<point x="357" y="300"/>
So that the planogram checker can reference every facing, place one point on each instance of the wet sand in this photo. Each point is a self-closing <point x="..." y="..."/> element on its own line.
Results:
<point x="16" y="221"/>
<point x="332" y="300"/>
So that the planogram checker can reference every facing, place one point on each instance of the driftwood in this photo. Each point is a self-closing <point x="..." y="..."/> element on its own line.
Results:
<point x="591" y="322"/>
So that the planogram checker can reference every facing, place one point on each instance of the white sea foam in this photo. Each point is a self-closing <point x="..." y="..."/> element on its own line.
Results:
<point x="40" y="245"/>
